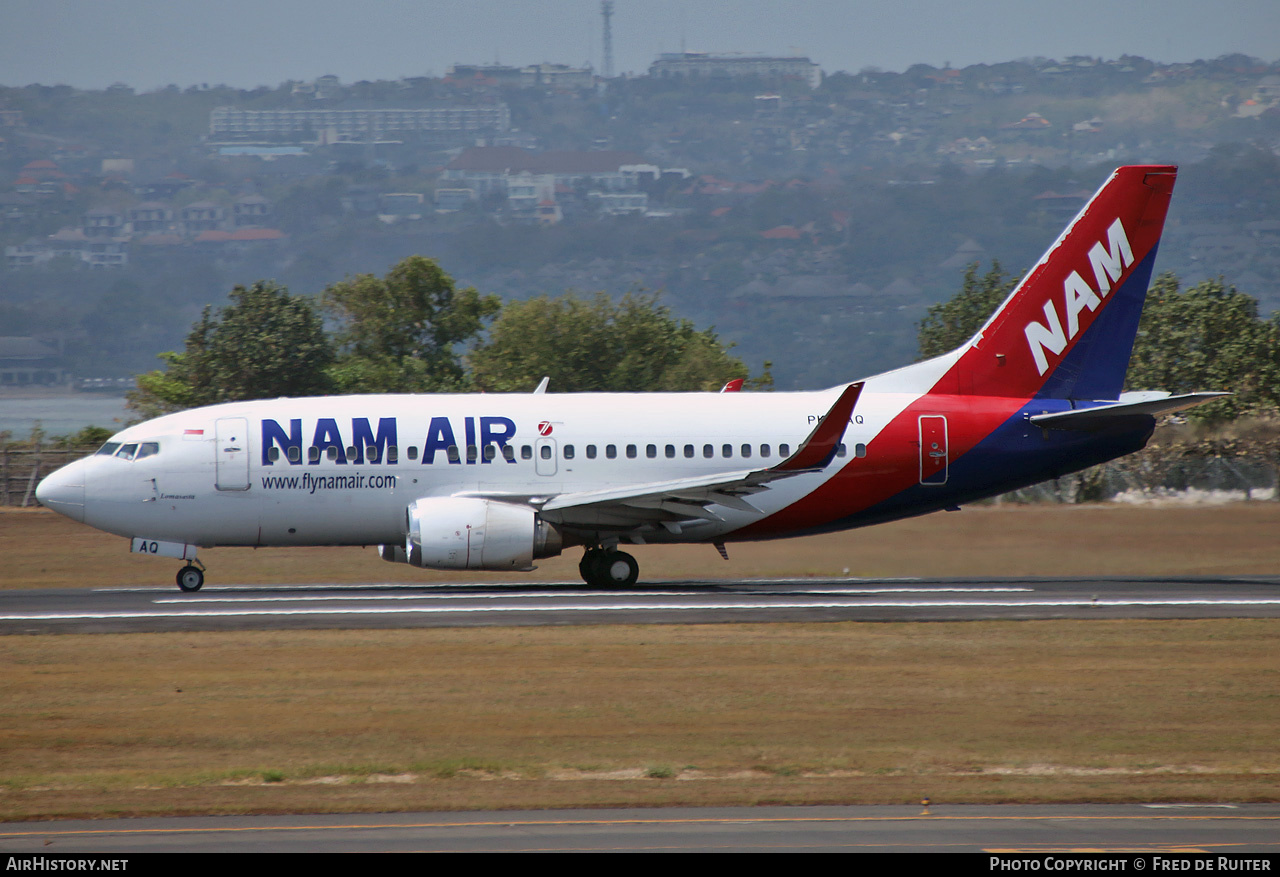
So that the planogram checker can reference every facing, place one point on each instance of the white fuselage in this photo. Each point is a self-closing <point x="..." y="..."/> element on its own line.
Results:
<point x="341" y="470"/>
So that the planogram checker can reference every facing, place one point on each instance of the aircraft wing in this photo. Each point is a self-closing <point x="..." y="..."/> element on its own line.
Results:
<point x="1130" y="405"/>
<point x="669" y="502"/>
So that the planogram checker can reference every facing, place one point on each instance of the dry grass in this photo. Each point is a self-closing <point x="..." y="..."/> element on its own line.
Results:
<point x="627" y="716"/>
<point x="620" y="715"/>
<point x="41" y="549"/>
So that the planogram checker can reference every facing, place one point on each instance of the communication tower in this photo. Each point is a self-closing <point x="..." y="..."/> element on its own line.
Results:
<point x="606" y="11"/>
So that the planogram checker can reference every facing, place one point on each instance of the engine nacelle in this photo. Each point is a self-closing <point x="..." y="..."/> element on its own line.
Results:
<point x="467" y="533"/>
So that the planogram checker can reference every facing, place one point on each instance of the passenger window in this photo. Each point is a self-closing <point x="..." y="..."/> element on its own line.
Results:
<point x="568" y="452"/>
<point x="508" y="453"/>
<point x="371" y="453"/>
<point x="273" y="455"/>
<point x="784" y="450"/>
<point x="726" y="451"/>
<point x="490" y="452"/>
<point x="546" y="452"/>
<point x="708" y="451"/>
<point x="471" y="453"/>
<point x="611" y="451"/>
<point x="393" y="453"/>
<point x="764" y="451"/>
<point x="313" y="454"/>
<point x="332" y="452"/>
<point x="841" y="450"/>
<point x="859" y="450"/>
<point x="149" y="449"/>
<point x="351" y="452"/>
<point x="651" y="451"/>
<point x="591" y="452"/>
<point x="127" y="451"/>
<point x="454" y="455"/>
<point x="671" y="452"/>
<point x="108" y="449"/>
<point x="295" y="454"/>
<point x="688" y="451"/>
<point x="413" y="452"/>
<point x="746" y="451"/>
<point x="526" y="452"/>
<point x="631" y="452"/>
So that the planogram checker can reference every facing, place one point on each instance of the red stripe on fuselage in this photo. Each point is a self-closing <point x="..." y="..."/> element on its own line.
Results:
<point x="891" y="464"/>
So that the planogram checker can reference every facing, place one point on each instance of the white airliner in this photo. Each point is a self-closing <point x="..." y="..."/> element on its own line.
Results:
<point x="496" y="481"/>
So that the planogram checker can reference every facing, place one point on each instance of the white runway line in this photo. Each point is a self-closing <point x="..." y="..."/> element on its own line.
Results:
<point x="200" y="600"/>
<point x="631" y="607"/>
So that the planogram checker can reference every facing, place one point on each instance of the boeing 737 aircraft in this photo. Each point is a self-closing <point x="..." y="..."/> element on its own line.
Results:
<point x="494" y="482"/>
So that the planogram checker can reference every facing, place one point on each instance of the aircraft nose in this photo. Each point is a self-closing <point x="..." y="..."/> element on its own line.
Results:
<point x="63" y="491"/>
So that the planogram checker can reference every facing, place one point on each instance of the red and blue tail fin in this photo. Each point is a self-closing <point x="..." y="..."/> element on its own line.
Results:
<point x="1068" y="329"/>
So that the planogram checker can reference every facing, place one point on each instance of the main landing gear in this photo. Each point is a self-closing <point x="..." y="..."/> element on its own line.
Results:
<point x="608" y="568"/>
<point x="191" y="577"/>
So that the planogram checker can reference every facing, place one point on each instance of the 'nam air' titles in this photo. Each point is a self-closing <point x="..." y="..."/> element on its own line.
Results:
<point x="1108" y="265"/>
<point x="369" y="445"/>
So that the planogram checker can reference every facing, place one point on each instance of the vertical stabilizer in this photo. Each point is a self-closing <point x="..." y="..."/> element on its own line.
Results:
<point x="1067" y="330"/>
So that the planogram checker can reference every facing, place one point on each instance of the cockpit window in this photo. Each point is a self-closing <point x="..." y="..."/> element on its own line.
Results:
<point x="127" y="451"/>
<point x="108" y="449"/>
<point x="148" y="449"/>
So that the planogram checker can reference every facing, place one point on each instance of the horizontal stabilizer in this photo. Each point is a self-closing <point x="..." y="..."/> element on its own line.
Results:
<point x="1103" y="416"/>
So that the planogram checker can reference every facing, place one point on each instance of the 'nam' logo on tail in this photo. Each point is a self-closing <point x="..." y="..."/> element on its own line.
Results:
<point x="1109" y="263"/>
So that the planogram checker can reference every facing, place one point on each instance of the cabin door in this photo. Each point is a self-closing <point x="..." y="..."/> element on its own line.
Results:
<point x="232" y="448"/>
<point x="933" y="449"/>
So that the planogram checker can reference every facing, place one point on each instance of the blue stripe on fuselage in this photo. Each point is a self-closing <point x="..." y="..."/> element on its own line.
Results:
<point x="1016" y="454"/>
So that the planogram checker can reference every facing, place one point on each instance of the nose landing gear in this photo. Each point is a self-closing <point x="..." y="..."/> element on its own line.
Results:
<point x="191" y="577"/>
<point x="608" y="568"/>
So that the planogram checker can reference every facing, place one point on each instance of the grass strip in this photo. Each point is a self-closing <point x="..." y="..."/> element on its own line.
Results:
<point x="474" y="718"/>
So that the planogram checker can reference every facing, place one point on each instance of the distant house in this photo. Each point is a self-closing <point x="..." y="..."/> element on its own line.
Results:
<point x="356" y="125"/>
<point x="201" y="216"/>
<point x="704" y="65"/>
<point x="167" y="187"/>
<point x="27" y="254"/>
<point x="251" y="211"/>
<point x="96" y="251"/>
<point x="42" y="169"/>
<point x="150" y="217"/>
<point x="485" y="169"/>
<point x="103" y="224"/>
<point x="1029" y="122"/>
<point x="526" y="192"/>
<point x="450" y="200"/>
<point x="619" y="203"/>
<point x="26" y="362"/>
<point x="400" y="206"/>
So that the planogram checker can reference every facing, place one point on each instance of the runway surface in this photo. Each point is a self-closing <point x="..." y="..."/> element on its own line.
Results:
<point x="243" y="607"/>
<point x="1007" y="829"/>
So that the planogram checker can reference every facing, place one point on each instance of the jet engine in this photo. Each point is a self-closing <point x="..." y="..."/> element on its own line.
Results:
<point x="469" y="533"/>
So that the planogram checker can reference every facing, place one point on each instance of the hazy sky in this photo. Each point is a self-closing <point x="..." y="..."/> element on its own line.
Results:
<point x="245" y="43"/>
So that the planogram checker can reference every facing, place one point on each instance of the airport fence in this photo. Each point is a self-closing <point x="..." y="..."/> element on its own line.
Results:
<point x="1139" y="479"/>
<point x="22" y="467"/>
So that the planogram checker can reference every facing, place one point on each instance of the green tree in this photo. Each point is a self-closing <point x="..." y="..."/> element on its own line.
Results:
<point x="951" y="323"/>
<point x="401" y="333"/>
<point x="1207" y="337"/>
<point x="266" y="343"/>
<point x="598" y="345"/>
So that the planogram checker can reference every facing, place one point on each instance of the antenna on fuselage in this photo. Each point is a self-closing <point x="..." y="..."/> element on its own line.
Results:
<point x="542" y="386"/>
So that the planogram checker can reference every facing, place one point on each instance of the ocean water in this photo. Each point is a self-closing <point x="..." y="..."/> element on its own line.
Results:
<point x="63" y="415"/>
